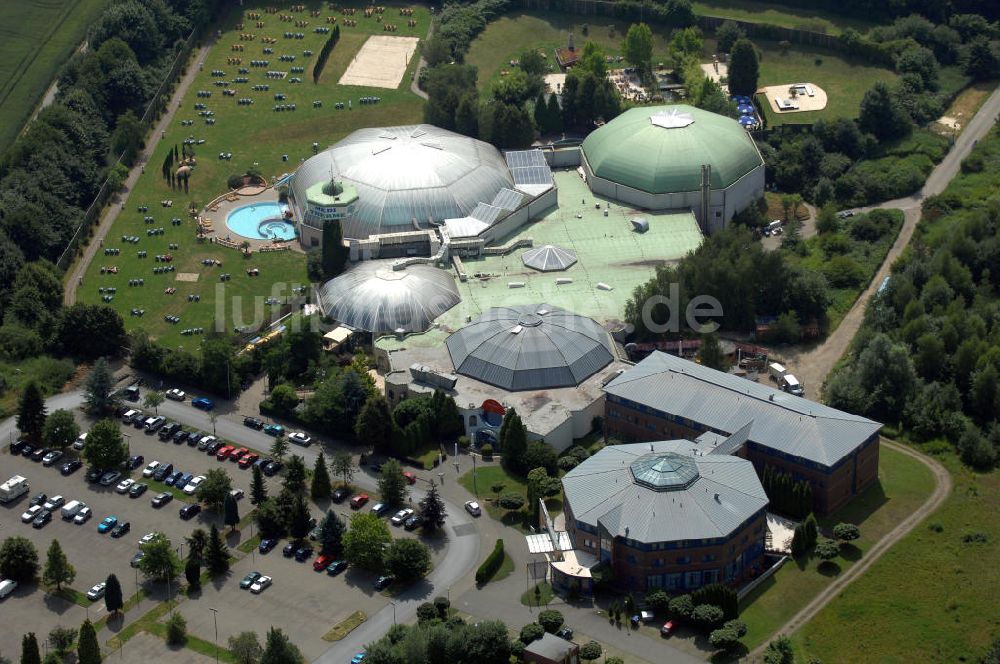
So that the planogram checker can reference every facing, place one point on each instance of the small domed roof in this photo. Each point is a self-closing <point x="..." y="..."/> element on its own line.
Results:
<point x="667" y="471"/>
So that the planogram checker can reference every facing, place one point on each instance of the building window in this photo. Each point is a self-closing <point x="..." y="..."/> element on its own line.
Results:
<point x="632" y="560"/>
<point x="654" y="581"/>
<point x="710" y="576"/>
<point x="692" y="579"/>
<point x="672" y="581"/>
<point x="683" y="560"/>
<point x="707" y="558"/>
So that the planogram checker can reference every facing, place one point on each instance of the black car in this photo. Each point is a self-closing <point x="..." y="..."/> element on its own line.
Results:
<point x="289" y="549"/>
<point x="137" y="489"/>
<point x="43" y="518"/>
<point x="303" y="552"/>
<point x="168" y="431"/>
<point x="17" y="446"/>
<point x="94" y="475"/>
<point x="27" y="451"/>
<point x="336" y="567"/>
<point x="272" y="468"/>
<point x="340" y="494"/>
<point x="414" y="522"/>
<point x="376" y="466"/>
<point x="180" y="437"/>
<point x="383" y="582"/>
<point x="253" y="423"/>
<point x="192" y="438"/>
<point x="39" y="499"/>
<point x="214" y="447"/>
<point x="267" y="544"/>
<point x="71" y="466"/>
<point x="163" y="471"/>
<point x="52" y="458"/>
<point x="565" y="633"/>
<point x="190" y="511"/>
<point x="110" y="477"/>
<point x="121" y="529"/>
<point x="161" y="499"/>
<point x="135" y="461"/>
<point x="39" y="454"/>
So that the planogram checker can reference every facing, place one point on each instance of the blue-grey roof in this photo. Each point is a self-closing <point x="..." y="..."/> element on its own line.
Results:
<point x="530" y="347"/>
<point x="725" y="403"/>
<point x="604" y="491"/>
<point x="551" y="647"/>
<point x="667" y="471"/>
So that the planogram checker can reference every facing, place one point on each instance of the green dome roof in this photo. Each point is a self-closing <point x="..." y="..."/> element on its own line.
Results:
<point x="660" y="149"/>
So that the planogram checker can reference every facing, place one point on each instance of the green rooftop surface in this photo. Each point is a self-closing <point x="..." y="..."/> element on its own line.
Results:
<point x="609" y="252"/>
<point x="321" y="194"/>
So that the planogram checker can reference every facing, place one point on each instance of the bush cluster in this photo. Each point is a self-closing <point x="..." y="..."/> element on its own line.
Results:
<point x="491" y="564"/>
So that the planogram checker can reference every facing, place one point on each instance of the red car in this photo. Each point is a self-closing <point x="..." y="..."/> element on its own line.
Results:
<point x="248" y="460"/>
<point x="410" y="477"/>
<point x="224" y="452"/>
<point x="322" y="562"/>
<point x="238" y="454"/>
<point x="358" y="501"/>
<point x="667" y="629"/>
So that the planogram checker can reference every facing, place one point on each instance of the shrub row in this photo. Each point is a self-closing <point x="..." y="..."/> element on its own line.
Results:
<point x="324" y="54"/>
<point x="491" y="564"/>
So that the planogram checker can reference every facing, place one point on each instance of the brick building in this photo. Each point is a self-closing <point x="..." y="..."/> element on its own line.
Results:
<point x="668" y="397"/>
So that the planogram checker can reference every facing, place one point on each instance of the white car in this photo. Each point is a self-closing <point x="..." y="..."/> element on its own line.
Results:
<point x="206" y="441"/>
<point x="150" y="468"/>
<point x="192" y="486"/>
<point x="82" y="516"/>
<point x="300" y="438"/>
<point x="175" y="394"/>
<point x="54" y="503"/>
<point x="97" y="592"/>
<point x="401" y="516"/>
<point x="79" y="443"/>
<point x="125" y="485"/>
<point x="149" y="537"/>
<point x="30" y="513"/>
<point x="472" y="507"/>
<point x="260" y="584"/>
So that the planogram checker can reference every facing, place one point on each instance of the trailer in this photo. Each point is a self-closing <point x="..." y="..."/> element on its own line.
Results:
<point x="13" y="489"/>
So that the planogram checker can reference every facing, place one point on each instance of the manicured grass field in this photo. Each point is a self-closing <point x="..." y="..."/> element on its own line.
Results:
<point x="800" y="18"/>
<point x="257" y="136"/>
<point x="486" y="477"/>
<point x="38" y="36"/>
<point x="904" y="484"/>
<point x="931" y="597"/>
<point x="844" y="81"/>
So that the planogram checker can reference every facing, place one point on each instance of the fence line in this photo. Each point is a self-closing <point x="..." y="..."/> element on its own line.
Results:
<point x="156" y="105"/>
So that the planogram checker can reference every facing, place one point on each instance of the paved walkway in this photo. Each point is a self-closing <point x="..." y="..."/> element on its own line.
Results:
<point x="120" y="200"/>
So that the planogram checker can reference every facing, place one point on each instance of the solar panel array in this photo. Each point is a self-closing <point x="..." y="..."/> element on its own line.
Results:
<point x="529" y="167"/>
<point x="486" y="212"/>
<point x="507" y="199"/>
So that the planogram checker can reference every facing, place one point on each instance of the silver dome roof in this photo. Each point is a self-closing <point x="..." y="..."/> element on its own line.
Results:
<point x="548" y="258"/>
<point x="371" y="296"/>
<point x="530" y="347"/>
<point x="404" y="173"/>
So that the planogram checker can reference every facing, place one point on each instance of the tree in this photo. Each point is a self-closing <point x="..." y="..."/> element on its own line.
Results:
<point x="511" y="501"/>
<point x="744" y="68"/>
<point x="983" y="62"/>
<point x="160" y="562"/>
<point x="882" y="115"/>
<point x="331" y="534"/>
<point x="176" y="630"/>
<point x="513" y="441"/>
<point x="407" y="560"/>
<point x="60" y="429"/>
<point x="551" y="620"/>
<point x="728" y="636"/>
<point x="31" y="414"/>
<point x="334" y="253"/>
<point x="18" y="559"/>
<point x="104" y="447"/>
<point x="658" y="600"/>
<point x="638" y="46"/>
<point x="590" y="651"/>
<point x="126" y="140"/>
<point x="231" y="512"/>
<point x="726" y="35"/>
<point x="374" y="424"/>
<point x="364" y="541"/>
<point x="279" y="448"/>
<point x="216" y="553"/>
<point x="57" y="568"/>
<point x="299" y="521"/>
<point x="279" y="650"/>
<point x="540" y="455"/>
<point x="506" y="125"/>
<point x="29" y="649"/>
<point x="113" y="599"/>
<point x="827" y="549"/>
<point x="284" y="399"/>
<point x="153" y="399"/>
<point x="432" y="508"/>
<point x="681" y="607"/>
<point x="88" y="651"/>
<point x="392" y="484"/>
<point x="295" y="475"/>
<point x="779" y="651"/>
<point x="258" y="488"/>
<point x="61" y="639"/>
<point x="270" y="519"/>
<point x="197" y="541"/>
<point x="826" y="220"/>
<point x="99" y="389"/>
<point x="192" y="573"/>
<point x="214" y="488"/>
<point x="531" y="632"/>
<point x="920" y="61"/>
<point x="710" y="354"/>
<point x="320" y="488"/>
<point x="245" y="648"/>
<point x="342" y="466"/>
<point x="707" y="615"/>
<point x="846" y="532"/>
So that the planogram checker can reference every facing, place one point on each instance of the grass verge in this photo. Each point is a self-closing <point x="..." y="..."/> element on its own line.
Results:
<point x="544" y="596"/>
<point x="345" y="626"/>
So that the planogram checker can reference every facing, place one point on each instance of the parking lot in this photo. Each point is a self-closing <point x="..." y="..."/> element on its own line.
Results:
<point x="305" y="603"/>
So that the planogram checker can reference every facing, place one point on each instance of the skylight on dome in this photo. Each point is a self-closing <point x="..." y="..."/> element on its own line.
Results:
<point x="672" y="119"/>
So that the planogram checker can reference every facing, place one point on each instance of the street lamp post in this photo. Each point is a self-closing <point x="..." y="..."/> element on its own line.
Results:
<point x="215" y="619"/>
<point x="475" y="490"/>
<point x="138" y="595"/>
<point x="393" y="613"/>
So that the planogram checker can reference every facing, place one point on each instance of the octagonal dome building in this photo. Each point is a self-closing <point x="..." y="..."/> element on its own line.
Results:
<point x="373" y="297"/>
<point x="675" y="157"/>
<point x="391" y="179"/>
<point x="530" y="347"/>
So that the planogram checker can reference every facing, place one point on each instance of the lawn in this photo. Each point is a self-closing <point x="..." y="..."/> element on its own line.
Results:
<point x="50" y="373"/>
<point x="345" y="626"/>
<point x="38" y="37"/>
<point x="800" y="18"/>
<point x="904" y="485"/>
<point x="257" y="137"/>
<point x="931" y="597"/>
<point x="845" y="81"/>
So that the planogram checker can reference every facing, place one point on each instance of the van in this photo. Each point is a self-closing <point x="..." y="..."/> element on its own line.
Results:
<point x="13" y="488"/>
<point x="791" y="384"/>
<point x="7" y="587"/>
<point x="129" y="415"/>
<point x="776" y="371"/>
<point x="70" y="509"/>
<point x="154" y="423"/>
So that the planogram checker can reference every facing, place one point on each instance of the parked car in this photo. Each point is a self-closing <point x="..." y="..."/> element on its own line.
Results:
<point x="27" y="450"/>
<point x="384" y="581"/>
<point x="414" y="522"/>
<point x="250" y="579"/>
<point x="168" y="431"/>
<point x="322" y="562"/>
<point x="237" y="493"/>
<point x="149" y="537"/>
<point x="107" y="524"/>
<point x="54" y="503"/>
<point x="205" y="441"/>
<point x="193" y="439"/>
<point x="150" y="468"/>
<point x="289" y="549"/>
<point x="190" y="511"/>
<point x="29" y="514"/>
<point x="43" y="517"/>
<point x="272" y="468"/>
<point x="121" y="529"/>
<point x="71" y="467"/>
<point x="175" y="394"/>
<point x="153" y="424"/>
<point x="410" y="477"/>
<point x="110" y="477"/>
<point x="83" y="516"/>
<point x="274" y="430"/>
<point x="203" y="403"/>
<point x="124" y="485"/>
<point x="224" y="452"/>
<point x="358" y="659"/>
<point x="163" y="471"/>
<point x="473" y="508"/>
<point x="667" y="629"/>
<point x="161" y="499"/>
<point x="137" y="558"/>
<point x="38" y="499"/>
<point x="181" y="437"/>
<point x="248" y="459"/>
<point x="253" y="423"/>
<point x="336" y="567"/>
<point x="18" y="446"/>
<point x="192" y="486"/>
<point x="94" y="475"/>
<point x="266" y="545"/>
<point x="236" y="455"/>
<point x="300" y="438"/>
<point x="303" y="553"/>
<point x="79" y="443"/>
<point x="174" y="476"/>
<point x="400" y="517"/>
<point x="339" y="494"/>
<point x="358" y="501"/>
<point x="565" y="633"/>
<point x="39" y="454"/>
<point x="137" y="489"/>
<point x="51" y="458"/>
<point x="214" y="447"/>
<point x="134" y="461"/>
<point x="97" y="591"/>
<point x="260" y="585"/>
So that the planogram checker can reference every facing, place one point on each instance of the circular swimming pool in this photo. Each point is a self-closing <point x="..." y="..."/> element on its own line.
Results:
<point x="261" y="221"/>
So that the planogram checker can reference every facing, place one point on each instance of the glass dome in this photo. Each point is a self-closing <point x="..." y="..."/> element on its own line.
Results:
<point x="666" y="471"/>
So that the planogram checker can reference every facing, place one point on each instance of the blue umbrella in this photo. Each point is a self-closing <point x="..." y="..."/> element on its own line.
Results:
<point x="741" y="99"/>
<point x="745" y="109"/>
<point x="747" y="121"/>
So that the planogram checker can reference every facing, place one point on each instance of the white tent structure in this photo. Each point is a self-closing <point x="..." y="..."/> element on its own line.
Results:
<point x="549" y="258"/>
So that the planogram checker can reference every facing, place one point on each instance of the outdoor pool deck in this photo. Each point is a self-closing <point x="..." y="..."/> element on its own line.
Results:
<point x="607" y="248"/>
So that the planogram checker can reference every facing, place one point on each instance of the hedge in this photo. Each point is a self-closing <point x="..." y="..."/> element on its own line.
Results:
<point x="491" y="564"/>
<point x="324" y="54"/>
